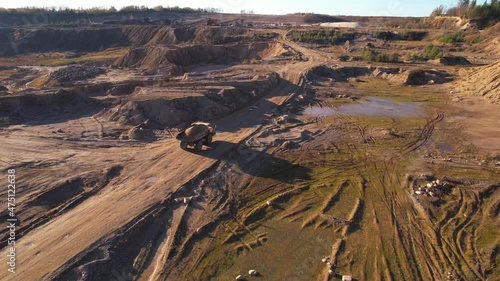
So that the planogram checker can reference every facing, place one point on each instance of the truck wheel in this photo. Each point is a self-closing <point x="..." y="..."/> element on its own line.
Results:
<point x="184" y="145"/>
<point x="209" y="139"/>
<point x="198" y="145"/>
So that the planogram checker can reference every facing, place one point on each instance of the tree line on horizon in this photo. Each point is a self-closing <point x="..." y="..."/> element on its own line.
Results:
<point x="103" y="10"/>
<point x="487" y="13"/>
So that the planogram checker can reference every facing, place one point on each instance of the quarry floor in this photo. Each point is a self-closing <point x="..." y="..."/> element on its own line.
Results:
<point x="279" y="189"/>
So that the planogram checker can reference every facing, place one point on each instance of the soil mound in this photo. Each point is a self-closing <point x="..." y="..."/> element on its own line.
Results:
<point x="175" y="58"/>
<point x="423" y="77"/>
<point x="454" y="60"/>
<point x="343" y="73"/>
<point x="72" y="74"/>
<point x="159" y="106"/>
<point x="315" y="18"/>
<point x="27" y="107"/>
<point x="483" y="82"/>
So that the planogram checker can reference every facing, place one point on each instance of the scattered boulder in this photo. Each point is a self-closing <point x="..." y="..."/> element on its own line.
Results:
<point x="253" y="272"/>
<point x="140" y="134"/>
<point x="123" y="89"/>
<point x="454" y="60"/>
<point x="72" y="74"/>
<point x="423" y="77"/>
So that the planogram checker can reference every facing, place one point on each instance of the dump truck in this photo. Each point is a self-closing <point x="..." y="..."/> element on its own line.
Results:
<point x="197" y="135"/>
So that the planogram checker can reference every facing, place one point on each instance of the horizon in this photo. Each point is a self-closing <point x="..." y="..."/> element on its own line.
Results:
<point x="391" y="8"/>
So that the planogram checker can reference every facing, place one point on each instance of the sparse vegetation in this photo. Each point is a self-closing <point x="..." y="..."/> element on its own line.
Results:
<point x="23" y="16"/>
<point x="475" y="39"/>
<point x="322" y="36"/>
<point x="485" y="14"/>
<point x="432" y="52"/>
<point x="456" y="37"/>
<point x="376" y="56"/>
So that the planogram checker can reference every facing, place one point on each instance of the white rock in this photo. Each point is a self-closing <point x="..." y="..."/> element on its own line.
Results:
<point x="269" y="203"/>
<point x="437" y="181"/>
<point x="429" y="185"/>
<point x="252" y="272"/>
<point x="239" y="277"/>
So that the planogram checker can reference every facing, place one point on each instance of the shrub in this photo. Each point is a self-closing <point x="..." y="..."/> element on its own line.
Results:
<point x="475" y="39"/>
<point x="432" y="52"/>
<point x="452" y="38"/>
<point x="415" y="57"/>
<point x="371" y="55"/>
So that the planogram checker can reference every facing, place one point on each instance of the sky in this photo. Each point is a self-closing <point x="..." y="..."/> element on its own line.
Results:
<point x="331" y="7"/>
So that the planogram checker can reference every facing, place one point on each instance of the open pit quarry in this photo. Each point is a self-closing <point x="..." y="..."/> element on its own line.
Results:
<point x="325" y="163"/>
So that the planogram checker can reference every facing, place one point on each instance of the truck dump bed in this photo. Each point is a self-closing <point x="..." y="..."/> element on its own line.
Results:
<point x="193" y="133"/>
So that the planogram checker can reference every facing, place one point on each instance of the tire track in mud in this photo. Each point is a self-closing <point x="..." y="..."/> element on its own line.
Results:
<point x="385" y="190"/>
<point x="424" y="136"/>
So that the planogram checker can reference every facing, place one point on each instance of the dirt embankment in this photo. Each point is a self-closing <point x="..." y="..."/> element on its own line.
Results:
<point x="394" y="74"/>
<point x="25" y="107"/>
<point x="482" y="82"/>
<point x="70" y="74"/>
<point x="178" y="57"/>
<point x="36" y="40"/>
<point x="169" y="111"/>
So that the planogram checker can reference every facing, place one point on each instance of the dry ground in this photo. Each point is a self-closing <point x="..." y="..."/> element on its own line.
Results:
<point x="278" y="190"/>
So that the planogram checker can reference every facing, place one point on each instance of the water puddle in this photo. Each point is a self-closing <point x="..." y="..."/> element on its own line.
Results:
<point x="371" y="106"/>
<point x="445" y="147"/>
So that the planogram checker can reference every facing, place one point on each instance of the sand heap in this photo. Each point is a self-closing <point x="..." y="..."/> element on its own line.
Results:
<point x="483" y="82"/>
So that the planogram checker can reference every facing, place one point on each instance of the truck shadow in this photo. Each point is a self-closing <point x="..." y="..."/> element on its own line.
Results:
<point x="254" y="162"/>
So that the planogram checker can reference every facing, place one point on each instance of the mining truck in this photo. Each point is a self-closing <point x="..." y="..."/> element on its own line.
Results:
<point x="197" y="135"/>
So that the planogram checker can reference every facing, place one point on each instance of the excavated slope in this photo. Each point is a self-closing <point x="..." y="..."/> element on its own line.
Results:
<point x="164" y="55"/>
<point x="483" y="82"/>
<point x="35" y="40"/>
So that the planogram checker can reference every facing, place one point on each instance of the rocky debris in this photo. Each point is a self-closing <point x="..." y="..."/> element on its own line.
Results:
<point x="351" y="73"/>
<point x="427" y="76"/>
<point x="281" y="119"/>
<point x="253" y="272"/>
<point x="140" y="134"/>
<point x="239" y="278"/>
<point x="434" y="188"/>
<point x="454" y="60"/>
<point x="123" y="89"/>
<point x="184" y="200"/>
<point x="288" y="145"/>
<point x="3" y="89"/>
<point x="73" y="73"/>
<point x="335" y="221"/>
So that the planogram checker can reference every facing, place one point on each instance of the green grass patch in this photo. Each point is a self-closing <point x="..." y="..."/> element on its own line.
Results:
<point x="108" y="55"/>
<point x="456" y="37"/>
